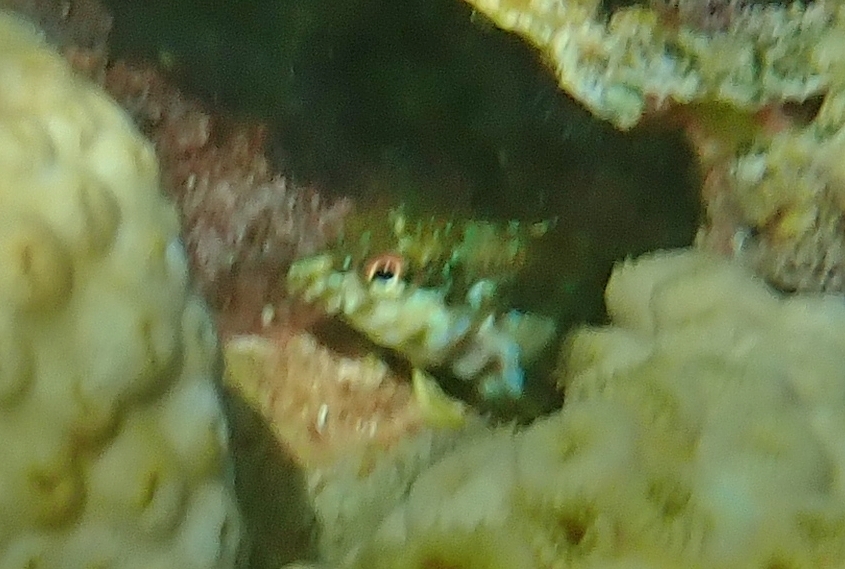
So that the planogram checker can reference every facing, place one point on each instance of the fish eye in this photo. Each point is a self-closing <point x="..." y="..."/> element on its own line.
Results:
<point x="383" y="273"/>
<point x="384" y="268"/>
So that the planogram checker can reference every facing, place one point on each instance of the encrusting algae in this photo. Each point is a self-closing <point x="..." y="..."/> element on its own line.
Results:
<point x="635" y="61"/>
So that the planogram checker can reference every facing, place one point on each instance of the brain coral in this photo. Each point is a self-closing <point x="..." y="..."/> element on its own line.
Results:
<point x="735" y="396"/>
<point x="703" y="429"/>
<point x="113" y="439"/>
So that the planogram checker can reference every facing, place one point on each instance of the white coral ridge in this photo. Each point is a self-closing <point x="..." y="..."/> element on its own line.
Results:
<point x="113" y="439"/>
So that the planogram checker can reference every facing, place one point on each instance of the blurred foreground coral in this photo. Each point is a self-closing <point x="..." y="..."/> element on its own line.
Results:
<point x="244" y="224"/>
<point x="296" y="405"/>
<point x="115" y="449"/>
<point x="757" y="85"/>
<point x="702" y="429"/>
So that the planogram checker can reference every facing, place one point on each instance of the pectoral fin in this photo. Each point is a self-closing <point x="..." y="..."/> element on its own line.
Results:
<point x="531" y="332"/>
<point x="439" y="410"/>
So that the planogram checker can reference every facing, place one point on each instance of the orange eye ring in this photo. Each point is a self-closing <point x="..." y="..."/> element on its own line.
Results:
<point x="387" y="266"/>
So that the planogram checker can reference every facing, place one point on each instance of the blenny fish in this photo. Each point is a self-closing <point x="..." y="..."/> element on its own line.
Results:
<point x="432" y="292"/>
<point x="443" y="253"/>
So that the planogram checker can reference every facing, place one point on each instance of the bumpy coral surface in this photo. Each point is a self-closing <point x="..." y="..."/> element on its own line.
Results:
<point x="702" y="429"/>
<point x="295" y="403"/>
<point x="734" y="396"/>
<point x="114" y="443"/>
<point x="759" y="87"/>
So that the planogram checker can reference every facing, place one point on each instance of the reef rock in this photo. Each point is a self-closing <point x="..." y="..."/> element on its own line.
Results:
<point x="114" y="442"/>
<point x="760" y="92"/>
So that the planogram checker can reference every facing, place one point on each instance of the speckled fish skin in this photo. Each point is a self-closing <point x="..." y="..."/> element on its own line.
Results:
<point x="474" y="343"/>
<point x="451" y="255"/>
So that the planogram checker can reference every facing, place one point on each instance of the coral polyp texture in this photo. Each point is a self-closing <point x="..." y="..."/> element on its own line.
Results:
<point x="632" y="61"/>
<point x="759" y="88"/>
<point x="728" y="400"/>
<point x="702" y="429"/>
<point x="113" y="439"/>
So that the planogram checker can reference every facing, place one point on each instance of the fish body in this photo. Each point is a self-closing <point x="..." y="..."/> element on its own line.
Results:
<point x="470" y="339"/>
<point x="444" y="254"/>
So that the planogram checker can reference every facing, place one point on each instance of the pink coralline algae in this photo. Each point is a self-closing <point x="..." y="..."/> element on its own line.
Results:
<point x="243" y="224"/>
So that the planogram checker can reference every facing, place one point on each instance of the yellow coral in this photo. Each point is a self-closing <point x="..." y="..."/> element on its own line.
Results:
<point x="476" y="548"/>
<point x="729" y="396"/>
<point x="114" y="441"/>
<point x="622" y="65"/>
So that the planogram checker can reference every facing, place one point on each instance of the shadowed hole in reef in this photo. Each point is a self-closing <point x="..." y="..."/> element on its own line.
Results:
<point x="425" y="102"/>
